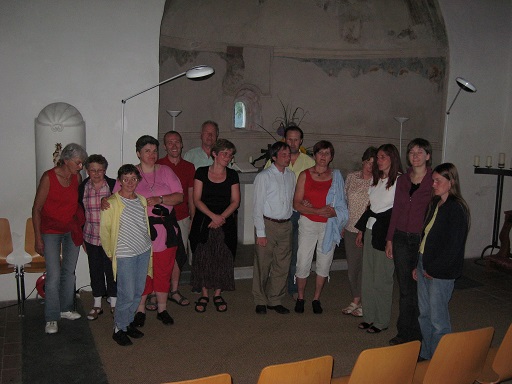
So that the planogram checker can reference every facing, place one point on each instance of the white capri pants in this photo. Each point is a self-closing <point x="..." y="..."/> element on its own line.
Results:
<point x="311" y="236"/>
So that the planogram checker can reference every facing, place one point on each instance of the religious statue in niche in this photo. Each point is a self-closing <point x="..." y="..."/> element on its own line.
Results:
<point x="56" y="153"/>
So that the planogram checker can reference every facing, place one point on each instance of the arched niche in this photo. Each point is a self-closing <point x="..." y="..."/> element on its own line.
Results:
<point x="57" y="125"/>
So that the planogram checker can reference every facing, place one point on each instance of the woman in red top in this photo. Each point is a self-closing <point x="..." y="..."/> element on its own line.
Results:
<point x="310" y="196"/>
<point x="57" y="225"/>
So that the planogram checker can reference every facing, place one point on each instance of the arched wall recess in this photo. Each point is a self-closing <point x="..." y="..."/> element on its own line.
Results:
<point x="57" y="125"/>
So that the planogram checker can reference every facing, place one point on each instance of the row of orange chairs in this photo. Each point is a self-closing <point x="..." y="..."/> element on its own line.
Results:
<point x="460" y="358"/>
<point x="36" y="265"/>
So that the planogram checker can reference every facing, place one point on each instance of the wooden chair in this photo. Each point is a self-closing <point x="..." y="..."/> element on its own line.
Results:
<point x="498" y="364"/>
<point x="386" y="365"/>
<point x="6" y="249"/>
<point x="223" y="378"/>
<point x="312" y="371"/>
<point x="37" y="264"/>
<point x="458" y="359"/>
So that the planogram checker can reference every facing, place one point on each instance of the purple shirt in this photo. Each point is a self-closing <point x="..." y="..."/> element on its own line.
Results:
<point x="409" y="211"/>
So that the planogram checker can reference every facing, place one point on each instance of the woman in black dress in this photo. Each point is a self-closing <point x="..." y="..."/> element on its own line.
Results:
<point x="213" y="236"/>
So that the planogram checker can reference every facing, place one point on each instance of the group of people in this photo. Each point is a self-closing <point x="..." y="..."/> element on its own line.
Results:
<point x="139" y="231"/>
<point x="413" y="224"/>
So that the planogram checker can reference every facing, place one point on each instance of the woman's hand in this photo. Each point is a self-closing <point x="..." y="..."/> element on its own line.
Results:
<point x="104" y="204"/>
<point x="153" y="200"/>
<point x="39" y="246"/>
<point x="359" y="239"/>
<point x="217" y="221"/>
<point x="327" y="211"/>
<point x="389" y="249"/>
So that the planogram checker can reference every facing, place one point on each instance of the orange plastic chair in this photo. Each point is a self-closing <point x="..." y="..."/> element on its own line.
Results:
<point x="386" y="365"/>
<point x="498" y="364"/>
<point x="223" y="378"/>
<point x="6" y="249"/>
<point x="458" y="359"/>
<point x="37" y="264"/>
<point x="312" y="371"/>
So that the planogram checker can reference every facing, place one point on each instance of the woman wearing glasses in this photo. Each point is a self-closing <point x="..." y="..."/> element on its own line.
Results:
<point x="57" y="220"/>
<point x="162" y="190"/>
<point x="90" y="193"/>
<point x="213" y="236"/>
<point x="124" y="233"/>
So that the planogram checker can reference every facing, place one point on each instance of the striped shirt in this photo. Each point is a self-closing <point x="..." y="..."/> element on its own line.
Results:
<point x="133" y="238"/>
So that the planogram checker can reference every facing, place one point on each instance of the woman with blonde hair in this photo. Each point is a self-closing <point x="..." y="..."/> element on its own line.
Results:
<point x="441" y="256"/>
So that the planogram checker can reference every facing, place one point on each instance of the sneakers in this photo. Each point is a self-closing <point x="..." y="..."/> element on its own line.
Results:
<point x="51" y="327"/>
<point x="70" y="315"/>
<point x="165" y="318"/>
<point x="121" y="338"/>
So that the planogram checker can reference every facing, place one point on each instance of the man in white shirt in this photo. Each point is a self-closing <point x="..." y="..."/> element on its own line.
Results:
<point x="201" y="156"/>
<point x="273" y="200"/>
<point x="299" y="162"/>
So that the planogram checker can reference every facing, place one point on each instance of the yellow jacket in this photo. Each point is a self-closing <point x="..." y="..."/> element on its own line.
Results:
<point x="109" y="229"/>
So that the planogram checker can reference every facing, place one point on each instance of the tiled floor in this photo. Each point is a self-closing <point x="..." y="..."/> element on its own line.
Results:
<point x="10" y="343"/>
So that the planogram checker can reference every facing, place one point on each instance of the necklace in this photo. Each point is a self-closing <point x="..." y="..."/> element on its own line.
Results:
<point x="147" y="182"/>
<point x="315" y="172"/>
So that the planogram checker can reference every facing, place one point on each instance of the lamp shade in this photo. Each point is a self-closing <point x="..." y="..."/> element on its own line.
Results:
<point x="199" y="72"/>
<point x="465" y="85"/>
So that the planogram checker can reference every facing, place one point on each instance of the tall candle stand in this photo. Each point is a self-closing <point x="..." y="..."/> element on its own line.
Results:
<point x="500" y="173"/>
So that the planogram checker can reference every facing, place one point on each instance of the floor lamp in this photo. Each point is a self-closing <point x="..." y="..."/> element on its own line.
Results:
<point x="463" y="85"/>
<point x="401" y="120"/>
<point x="194" y="73"/>
<point x="174" y="114"/>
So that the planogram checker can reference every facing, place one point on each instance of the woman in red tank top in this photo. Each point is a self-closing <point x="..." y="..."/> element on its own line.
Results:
<point x="310" y="197"/>
<point x="57" y="222"/>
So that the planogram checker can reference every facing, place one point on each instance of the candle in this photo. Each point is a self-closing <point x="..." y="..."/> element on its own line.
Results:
<point x="501" y="161"/>
<point x="250" y="159"/>
<point x="476" y="162"/>
<point x="489" y="161"/>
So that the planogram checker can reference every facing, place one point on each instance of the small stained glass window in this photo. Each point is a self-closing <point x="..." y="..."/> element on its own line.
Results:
<point x="240" y="114"/>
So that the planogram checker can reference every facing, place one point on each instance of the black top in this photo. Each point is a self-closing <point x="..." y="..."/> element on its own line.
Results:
<point x="443" y="256"/>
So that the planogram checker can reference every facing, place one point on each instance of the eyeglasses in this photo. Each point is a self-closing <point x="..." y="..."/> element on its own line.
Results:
<point x="97" y="171"/>
<point x="419" y="153"/>
<point x="78" y="163"/>
<point x="127" y="180"/>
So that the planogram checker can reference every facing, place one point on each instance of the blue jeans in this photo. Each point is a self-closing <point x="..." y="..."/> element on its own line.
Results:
<point x="433" y="298"/>
<point x="292" y="286"/>
<point x="60" y="276"/>
<point x="131" y="279"/>
<point x="405" y="257"/>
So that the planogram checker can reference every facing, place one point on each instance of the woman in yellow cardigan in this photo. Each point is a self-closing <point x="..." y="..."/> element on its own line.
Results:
<point x="125" y="237"/>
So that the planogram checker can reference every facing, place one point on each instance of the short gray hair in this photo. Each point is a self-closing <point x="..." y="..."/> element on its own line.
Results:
<point x="71" y="151"/>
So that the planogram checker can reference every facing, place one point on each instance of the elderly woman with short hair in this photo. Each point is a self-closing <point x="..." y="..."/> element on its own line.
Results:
<point x="90" y="193"/>
<point x="57" y="219"/>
